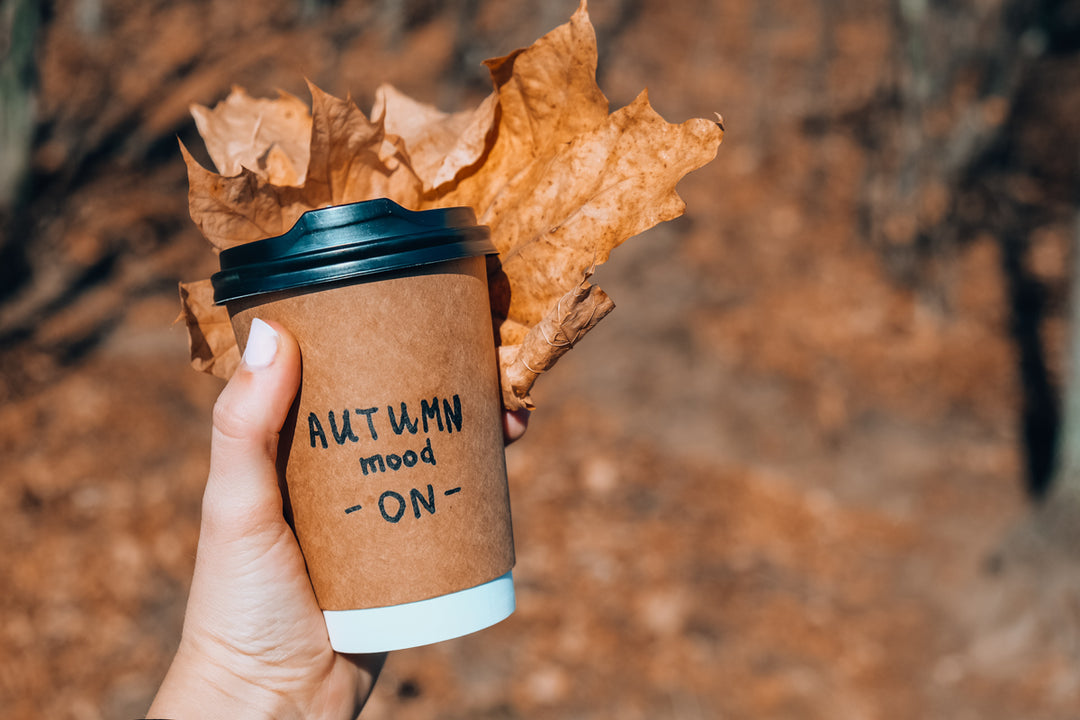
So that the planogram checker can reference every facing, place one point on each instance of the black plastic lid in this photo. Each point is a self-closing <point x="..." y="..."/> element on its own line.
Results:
<point x="348" y="241"/>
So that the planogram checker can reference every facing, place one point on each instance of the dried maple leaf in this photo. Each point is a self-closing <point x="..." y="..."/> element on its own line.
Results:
<point x="352" y="158"/>
<point x="576" y="313"/>
<point x="269" y="137"/>
<point x="565" y="182"/>
<point x="559" y="180"/>
<point x="440" y="145"/>
<point x="210" y="334"/>
<point x="234" y="210"/>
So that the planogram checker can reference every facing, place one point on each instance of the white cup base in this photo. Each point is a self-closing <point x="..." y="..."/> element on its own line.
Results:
<point x="423" y="622"/>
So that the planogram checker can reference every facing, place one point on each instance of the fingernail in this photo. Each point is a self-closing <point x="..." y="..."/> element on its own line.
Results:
<point x="262" y="345"/>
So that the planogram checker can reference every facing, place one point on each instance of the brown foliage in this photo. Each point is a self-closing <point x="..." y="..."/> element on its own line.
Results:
<point x="559" y="180"/>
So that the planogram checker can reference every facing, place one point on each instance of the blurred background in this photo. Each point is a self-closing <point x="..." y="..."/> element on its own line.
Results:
<point x="807" y="469"/>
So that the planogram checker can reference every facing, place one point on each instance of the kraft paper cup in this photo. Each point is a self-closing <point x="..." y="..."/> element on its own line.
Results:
<point x="395" y="475"/>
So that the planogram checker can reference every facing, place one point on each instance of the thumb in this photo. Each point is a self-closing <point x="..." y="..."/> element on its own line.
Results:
<point x="242" y="493"/>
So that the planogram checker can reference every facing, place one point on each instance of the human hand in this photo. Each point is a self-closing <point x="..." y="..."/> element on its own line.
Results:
<point x="254" y="643"/>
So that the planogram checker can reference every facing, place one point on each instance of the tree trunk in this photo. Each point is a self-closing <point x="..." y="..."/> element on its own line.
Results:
<point x="1066" y="485"/>
<point x="18" y="28"/>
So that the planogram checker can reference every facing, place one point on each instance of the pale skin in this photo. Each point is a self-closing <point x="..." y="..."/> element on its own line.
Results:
<point x="254" y="644"/>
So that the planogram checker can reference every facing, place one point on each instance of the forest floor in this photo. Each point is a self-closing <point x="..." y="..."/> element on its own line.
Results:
<point x="775" y="483"/>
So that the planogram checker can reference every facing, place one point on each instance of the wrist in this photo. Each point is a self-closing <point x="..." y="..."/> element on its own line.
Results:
<point x="198" y="688"/>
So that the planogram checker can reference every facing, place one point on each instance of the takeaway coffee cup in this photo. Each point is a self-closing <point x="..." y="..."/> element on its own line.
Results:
<point x="395" y="476"/>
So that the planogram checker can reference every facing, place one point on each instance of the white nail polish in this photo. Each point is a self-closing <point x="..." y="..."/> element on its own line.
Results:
<point x="262" y="345"/>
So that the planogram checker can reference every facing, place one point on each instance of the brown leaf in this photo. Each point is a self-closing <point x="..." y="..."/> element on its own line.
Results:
<point x="440" y="145"/>
<point x="272" y="138"/>
<point x="547" y="95"/>
<point x="573" y="316"/>
<point x="280" y="168"/>
<point x="210" y="334"/>
<point x="559" y="180"/>
<point x="589" y="197"/>
<point x="564" y="182"/>
<point x="352" y="159"/>
<point x="234" y="210"/>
